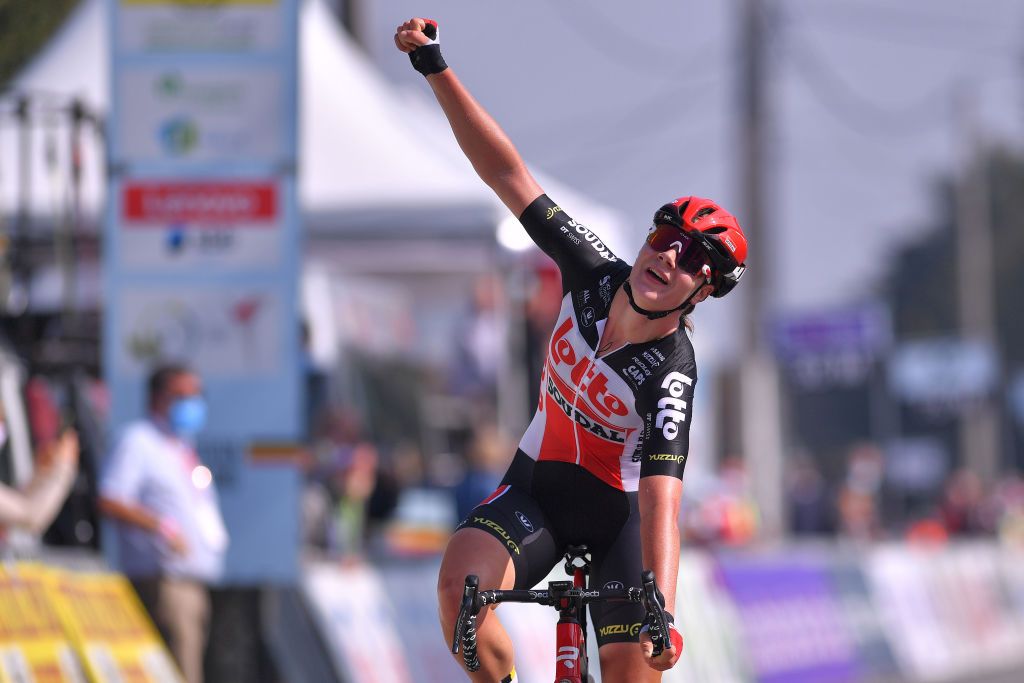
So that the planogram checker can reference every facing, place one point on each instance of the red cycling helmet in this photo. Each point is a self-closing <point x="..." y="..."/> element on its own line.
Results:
<point x="717" y="230"/>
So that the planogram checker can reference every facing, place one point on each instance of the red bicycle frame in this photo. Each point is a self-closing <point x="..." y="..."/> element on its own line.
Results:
<point x="571" y="660"/>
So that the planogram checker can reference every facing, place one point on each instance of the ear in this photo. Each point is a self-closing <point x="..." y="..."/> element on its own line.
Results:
<point x="703" y="293"/>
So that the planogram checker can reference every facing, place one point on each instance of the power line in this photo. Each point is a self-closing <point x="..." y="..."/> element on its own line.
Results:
<point x="658" y="100"/>
<point x="900" y="16"/>
<point x="848" y="106"/>
<point x="912" y="36"/>
<point x="602" y="34"/>
<point x="602" y="143"/>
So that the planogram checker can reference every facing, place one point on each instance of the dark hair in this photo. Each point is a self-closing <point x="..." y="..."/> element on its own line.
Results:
<point x="160" y="377"/>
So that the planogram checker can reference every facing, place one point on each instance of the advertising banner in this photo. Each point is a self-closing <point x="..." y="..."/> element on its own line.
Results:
<point x="33" y="645"/>
<point x="170" y="26"/>
<point x="792" y="622"/>
<point x="416" y="610"/>
<point x="851" y="589"/>
<point x="177" y="114"/>
<point x="202" y="247"/>
<point x="356" y="620"/>
<point x="902" y="595"/>
<point x="104" y="618"/>
<point x="224" y="331"/>
<point x="182" y="225"/>
<point x="708" y="622"/>
<point x="69" y="626"/>
<point x="832" y="348"/>
<point x="40" y="663"/>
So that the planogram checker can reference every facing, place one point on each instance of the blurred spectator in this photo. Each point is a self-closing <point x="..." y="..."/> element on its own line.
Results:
<point x="1009" y="509"/>
<point x="315" y="379"/>
<point x="34" y="507"/>
<point x="479" y="344"/>
<point x="857" y="502"/>
<point x="810" y="506"/>
<point x="724" y="511"/>
<point x="487" y="455"/>
<point x="858" y="514"/>
<point x="339" y="498"/>
<point x="927" y="531"/>
<point x="170" y="535"/>
<point x="964" y="509"/>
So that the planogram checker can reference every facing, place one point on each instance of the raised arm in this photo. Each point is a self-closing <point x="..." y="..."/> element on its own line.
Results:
<point x="35" y="507"/>
<point x="482" y="140"/>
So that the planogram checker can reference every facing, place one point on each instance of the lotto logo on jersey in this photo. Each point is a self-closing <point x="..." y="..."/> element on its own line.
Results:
<point x="671" y="407"/>
<point x="583" y="373"/>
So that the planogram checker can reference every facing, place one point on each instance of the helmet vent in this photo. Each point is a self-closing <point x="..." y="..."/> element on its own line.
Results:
<point x="706" y="211"/>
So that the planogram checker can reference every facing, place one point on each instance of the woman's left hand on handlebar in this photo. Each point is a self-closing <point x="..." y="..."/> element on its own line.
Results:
<point x="409" y="35"/>
<point x="669" y="656"/>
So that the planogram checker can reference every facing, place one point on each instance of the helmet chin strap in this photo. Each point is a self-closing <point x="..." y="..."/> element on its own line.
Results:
<point x="655" y="315"/>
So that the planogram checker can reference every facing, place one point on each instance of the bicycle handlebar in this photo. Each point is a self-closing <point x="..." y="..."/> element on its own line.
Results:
<point x="473" y="600"/>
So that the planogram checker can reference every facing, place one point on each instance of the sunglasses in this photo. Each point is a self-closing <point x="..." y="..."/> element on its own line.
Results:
<point x="692" y="259"/>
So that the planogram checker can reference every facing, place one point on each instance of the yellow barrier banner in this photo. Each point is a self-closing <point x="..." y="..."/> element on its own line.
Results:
<point x="34" y="647"/>
<point x="134" y="663"/>
<point x="26" y="611"/>
<point x="61" y="626"/>
<point x="107" y="623"/>
<point x="40" y="663"/>
<point x="101" y="608"/>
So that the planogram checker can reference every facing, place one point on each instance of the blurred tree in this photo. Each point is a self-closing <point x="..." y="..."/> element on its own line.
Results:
<point x="25" y="26"/>
<point x="1007" y="178"/>
<point x="922" y="279"/>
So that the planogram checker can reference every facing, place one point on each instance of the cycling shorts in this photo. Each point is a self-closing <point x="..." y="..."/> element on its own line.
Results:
<point x="542" y="507"/>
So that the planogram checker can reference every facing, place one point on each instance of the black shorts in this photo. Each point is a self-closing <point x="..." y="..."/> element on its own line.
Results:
<point x="543" y="507"/>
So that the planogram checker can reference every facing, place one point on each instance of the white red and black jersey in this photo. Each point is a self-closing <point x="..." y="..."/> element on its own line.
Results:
<point x="625" y="415"/>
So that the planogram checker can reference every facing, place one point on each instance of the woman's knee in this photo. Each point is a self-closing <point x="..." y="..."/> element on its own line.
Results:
<point x="471" y="551"/>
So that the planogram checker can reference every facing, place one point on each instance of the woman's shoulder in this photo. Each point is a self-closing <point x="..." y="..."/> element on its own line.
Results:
<point x="678" y="353"/>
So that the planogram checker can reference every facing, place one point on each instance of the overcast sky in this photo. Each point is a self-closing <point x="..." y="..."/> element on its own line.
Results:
<point x="637" y="107"/>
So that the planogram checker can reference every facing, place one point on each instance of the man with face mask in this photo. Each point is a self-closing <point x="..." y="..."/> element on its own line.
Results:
<point x="170" y="537"/>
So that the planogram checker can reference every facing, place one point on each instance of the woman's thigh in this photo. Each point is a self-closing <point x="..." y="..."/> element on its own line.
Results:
<point x="516" y="523"/>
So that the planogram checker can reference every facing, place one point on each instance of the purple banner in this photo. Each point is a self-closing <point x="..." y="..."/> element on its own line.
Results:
<point x="791" y="620"/>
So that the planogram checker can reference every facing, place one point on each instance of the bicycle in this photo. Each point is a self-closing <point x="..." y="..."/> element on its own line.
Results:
<point x="570" y="598"/>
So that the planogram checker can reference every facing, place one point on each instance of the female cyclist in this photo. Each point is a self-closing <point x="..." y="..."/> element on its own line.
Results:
<point x="602" y="461"/>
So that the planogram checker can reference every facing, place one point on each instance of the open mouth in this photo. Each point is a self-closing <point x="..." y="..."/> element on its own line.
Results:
<point x="657" y="276"/>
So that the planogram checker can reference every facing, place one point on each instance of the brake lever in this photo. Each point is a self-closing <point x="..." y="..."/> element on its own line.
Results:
<point x="468" y="608"/>
<point x="653" y="600"/>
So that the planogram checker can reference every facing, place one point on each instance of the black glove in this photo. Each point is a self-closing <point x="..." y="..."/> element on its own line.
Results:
<point x="427" y="58"/>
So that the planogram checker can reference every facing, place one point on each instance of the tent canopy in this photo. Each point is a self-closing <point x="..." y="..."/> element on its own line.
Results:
<point x="370" y="157"/>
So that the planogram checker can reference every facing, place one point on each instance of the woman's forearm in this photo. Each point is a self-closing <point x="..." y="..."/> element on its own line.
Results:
<point x="34" y="508"/>
<point x="659" y="532"/>
<point x="485" y="144"/>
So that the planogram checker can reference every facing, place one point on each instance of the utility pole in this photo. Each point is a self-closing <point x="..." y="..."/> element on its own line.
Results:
<point x="976" y="292"/>
<point x="761" y="405"/>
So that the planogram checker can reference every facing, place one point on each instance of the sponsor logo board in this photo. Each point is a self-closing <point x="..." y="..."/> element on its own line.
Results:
<point x="169" y="225"/>
<point x="200" y="115"/>
<point x="208" y="26"/>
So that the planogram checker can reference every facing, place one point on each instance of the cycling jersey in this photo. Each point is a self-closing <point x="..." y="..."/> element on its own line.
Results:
<point x="601" y="424"/>
<point x="621" y="416"/>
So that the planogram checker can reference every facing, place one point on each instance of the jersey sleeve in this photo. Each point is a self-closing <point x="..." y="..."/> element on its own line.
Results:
<point x="666" y="406"/>
<point x="571" y="245"/>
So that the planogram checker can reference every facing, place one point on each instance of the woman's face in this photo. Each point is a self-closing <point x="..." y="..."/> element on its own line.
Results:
<point x="659" y="284"/>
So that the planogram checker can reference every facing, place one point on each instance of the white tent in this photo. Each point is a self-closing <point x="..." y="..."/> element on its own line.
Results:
<point x="369" y="157"/>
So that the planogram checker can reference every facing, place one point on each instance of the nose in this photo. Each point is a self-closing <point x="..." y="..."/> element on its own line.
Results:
<point x="669" y="257"/>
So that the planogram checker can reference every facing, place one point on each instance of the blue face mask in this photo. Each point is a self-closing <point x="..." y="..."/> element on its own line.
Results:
<point x="187" y="416"/>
